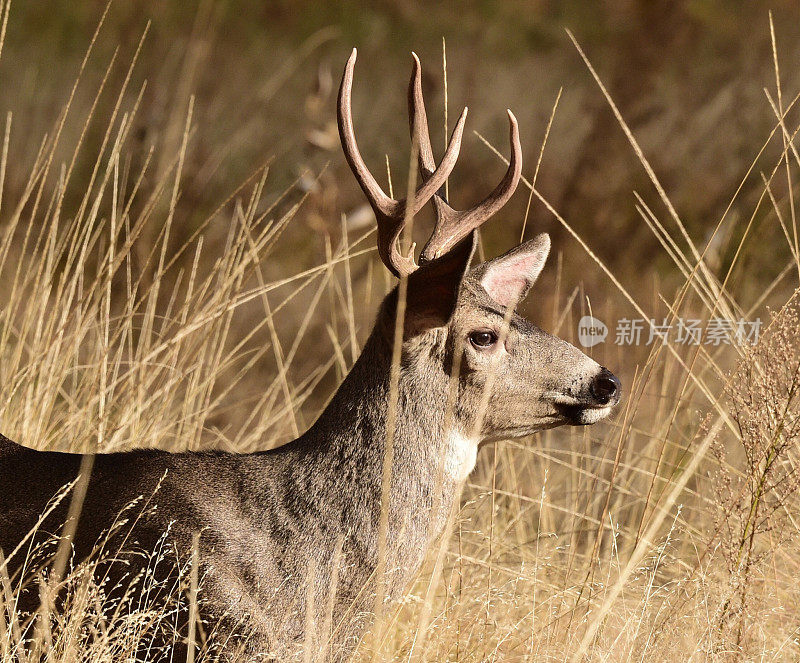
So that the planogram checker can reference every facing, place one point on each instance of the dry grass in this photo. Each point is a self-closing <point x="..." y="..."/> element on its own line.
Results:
<point x="669" y="533"/>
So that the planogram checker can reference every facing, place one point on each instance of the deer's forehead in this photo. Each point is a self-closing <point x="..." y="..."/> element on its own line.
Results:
<point x="475" y="306"/>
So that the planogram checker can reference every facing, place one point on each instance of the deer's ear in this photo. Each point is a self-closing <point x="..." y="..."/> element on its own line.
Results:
<point x="433" y="288"/>
<point x="508" y="278"/>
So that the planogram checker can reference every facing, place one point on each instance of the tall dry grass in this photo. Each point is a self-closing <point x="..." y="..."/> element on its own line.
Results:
<point x="669" y="533"/>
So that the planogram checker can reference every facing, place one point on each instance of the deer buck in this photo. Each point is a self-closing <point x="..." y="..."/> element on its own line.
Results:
<point x="292" y="539"/>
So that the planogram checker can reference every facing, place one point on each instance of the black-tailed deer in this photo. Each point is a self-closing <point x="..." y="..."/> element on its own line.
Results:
<point x="291" y="538"/>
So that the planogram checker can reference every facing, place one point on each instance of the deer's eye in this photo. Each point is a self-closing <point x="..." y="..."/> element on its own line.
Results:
<point x="483" y="339"/>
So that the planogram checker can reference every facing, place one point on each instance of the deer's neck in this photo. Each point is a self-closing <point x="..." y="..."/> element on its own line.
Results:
<point x="429" y="457"/>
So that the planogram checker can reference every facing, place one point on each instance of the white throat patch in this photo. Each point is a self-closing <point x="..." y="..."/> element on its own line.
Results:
<point x="461" y="453"/>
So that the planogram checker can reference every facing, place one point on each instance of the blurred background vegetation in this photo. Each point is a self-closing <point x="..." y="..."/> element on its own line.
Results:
<point x="688" y="77"/>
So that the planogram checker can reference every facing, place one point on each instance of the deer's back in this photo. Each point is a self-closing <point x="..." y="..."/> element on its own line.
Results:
<point x="34" y="482"/>
<point x="256" y="531"/>
<point x="159" y="490"/>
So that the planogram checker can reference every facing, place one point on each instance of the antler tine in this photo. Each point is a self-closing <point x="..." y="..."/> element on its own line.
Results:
<point x="389" y="212"/>
<point x="453" y="225"/>
<point x="380" y="202"/>
<point x="433" y="182"/>
<point x="418" y="121"/>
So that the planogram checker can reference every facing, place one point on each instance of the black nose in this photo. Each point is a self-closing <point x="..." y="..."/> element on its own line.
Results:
<point x="605" y="387"/>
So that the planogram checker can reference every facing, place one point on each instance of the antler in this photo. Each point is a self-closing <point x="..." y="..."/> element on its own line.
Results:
<point x="453" y="225"/>
<point x="390" y="213"/>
